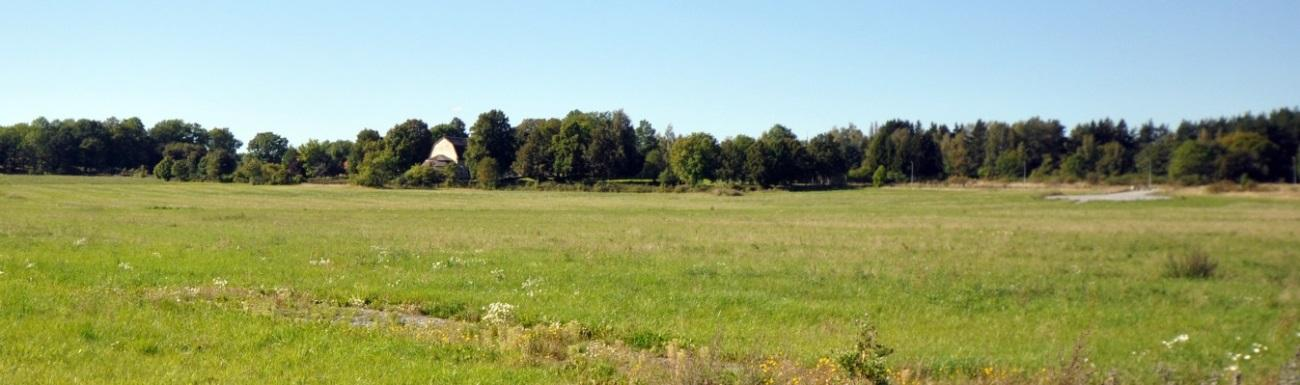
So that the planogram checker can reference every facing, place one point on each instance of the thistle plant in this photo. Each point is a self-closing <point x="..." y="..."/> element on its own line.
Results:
<point x="867" y="360"/>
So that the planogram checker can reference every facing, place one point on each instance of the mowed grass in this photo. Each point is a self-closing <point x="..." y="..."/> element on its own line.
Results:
<point x="957" y="280"/>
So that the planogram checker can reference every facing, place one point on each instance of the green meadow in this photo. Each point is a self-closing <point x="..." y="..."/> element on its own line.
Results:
<point x="959" y="282"/>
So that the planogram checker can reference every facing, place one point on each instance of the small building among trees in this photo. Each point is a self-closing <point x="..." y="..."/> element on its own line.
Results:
<point x="447" y="151"/>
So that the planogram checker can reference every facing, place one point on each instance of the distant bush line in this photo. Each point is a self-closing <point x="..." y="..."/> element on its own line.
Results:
<point x="606" y="151"/>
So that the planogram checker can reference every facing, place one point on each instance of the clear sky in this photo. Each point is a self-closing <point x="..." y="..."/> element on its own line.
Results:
<point x="317" y="69"/>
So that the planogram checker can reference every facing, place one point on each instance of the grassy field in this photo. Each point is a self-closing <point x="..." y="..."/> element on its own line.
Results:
<point x="962" y="283"/>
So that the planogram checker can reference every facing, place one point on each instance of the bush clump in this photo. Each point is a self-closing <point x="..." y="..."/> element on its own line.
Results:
<point x="486" y="173"/>
<point x="1195" y="265"/>
<point x="867" y="360"/>
<point x="421" y="176"/>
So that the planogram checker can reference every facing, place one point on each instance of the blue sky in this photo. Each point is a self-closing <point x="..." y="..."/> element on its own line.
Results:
<point x="327" y="69"/>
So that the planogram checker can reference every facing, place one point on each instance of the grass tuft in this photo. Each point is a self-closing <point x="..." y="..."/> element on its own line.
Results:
<point x="1194" y="265"/>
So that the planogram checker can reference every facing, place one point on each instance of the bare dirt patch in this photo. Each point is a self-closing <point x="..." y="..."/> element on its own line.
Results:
<point x="1125" y="196"/>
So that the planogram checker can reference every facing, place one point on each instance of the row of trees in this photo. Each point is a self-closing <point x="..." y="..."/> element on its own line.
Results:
<point x="170" y="149"/>
<point x="588" y="146"/>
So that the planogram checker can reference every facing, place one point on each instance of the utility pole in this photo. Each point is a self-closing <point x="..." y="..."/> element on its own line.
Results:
<point x="912" y="165"/>
<point x="1024" y="170"/>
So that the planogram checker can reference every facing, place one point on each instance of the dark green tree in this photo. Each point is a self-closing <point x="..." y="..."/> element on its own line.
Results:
<point x="604" y="155"/>
<point x="224" y="140"/>
<point x="732" y="158"/>
<point x="378" y="168"/>
<point x="569" y="147"/>
<point x="656" y="162"/>
<point x="368" y="141"/>
<point x="633" y="158"/>
<point x="646" y="140"/>
<point x="776" y="158"/>
<point x="534" y="158"/>
<point x="217" y="165"/>
<point x="492" y="137"/>
<point x="1193" y="162"/>
<point x="130" y="143"/>
<point x="183" y="169"/>
<point x="486" y="175"/>
<point x="268" y="147"/>
<point x="828" y="160"/>
<point x="1247" y="154"/>
<point x="410" y="141"/>
<point x="454" y="129"/>
<point x="695" y="158"/>
<point x="316" y="161"/>
<point x="178" y="131"/>
<point x="163" y="170"/>
<point x="293" y="169"/>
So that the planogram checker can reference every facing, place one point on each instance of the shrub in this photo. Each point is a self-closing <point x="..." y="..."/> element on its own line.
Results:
<point x="250" y="171"/>
<point x="1192" y="162"/>
<point x="216" y="165"/>
<point x="485" y="173"/>
<point x="1195" y="265"/>
<point x="183" y="170"/>
<point x="420" y="176"/>
<point x="377" y="169"/>
<point x="667" y="177"/>
<point x="867" y="360"/>
<point x="279" y="174"/>
<point x="164" y="168"/>
<point x="454" y="175"/>
<point x="646" y="340"/>
<point x="1246" y="183"/>
<point x="860" y="174"/>
<point x="878" y="177"/>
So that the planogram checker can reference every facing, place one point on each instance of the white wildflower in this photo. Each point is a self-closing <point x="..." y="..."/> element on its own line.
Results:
<point x="219" y="282"/>
<point x="319" y="262"/>
<point x="124" y="266"/>
<point x="499" y="274"/>
<point x="1231" y="368"/>
<point x="1258" y="348"/>
<point x="80" y="242"/>
<point x="31" y="265"/>
<point x="1176" y="340"/>
<point x="1247" y="357"/>
<point x="498" y="313"/>
<point x="531" y="286"/>
<point x="356" y="301"/>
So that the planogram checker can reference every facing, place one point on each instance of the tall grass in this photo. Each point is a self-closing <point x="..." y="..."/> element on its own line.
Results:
<point x="1193" y="265"/>
<point x="960" y="281"/>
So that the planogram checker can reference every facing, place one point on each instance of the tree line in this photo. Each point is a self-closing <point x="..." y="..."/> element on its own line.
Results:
<point x="584" y="147"/>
